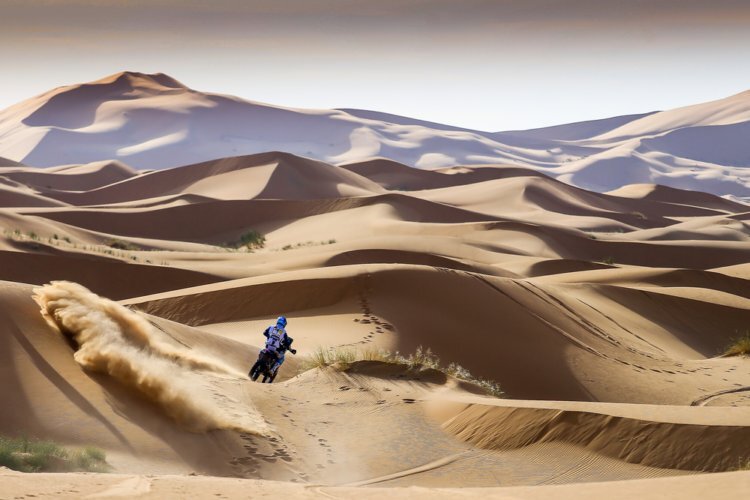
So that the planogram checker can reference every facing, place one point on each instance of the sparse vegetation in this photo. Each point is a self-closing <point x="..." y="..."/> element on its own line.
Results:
<point x="308" y="244"/>
<point x="110" y="247"/>
<point x="341" y="359"/>
<point x="31" y="455"/>
<point x="122" y="245"/>
<point x="609" y="260"/>
<point x="739" y="347"/>
<point x="253" y="239"/>
<point x="249" y="240"/>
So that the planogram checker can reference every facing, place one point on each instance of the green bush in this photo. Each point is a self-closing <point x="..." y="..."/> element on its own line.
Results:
<point x="253" y="239"/>
<point x="250" y="240"/>
<point x="31" y="455"/>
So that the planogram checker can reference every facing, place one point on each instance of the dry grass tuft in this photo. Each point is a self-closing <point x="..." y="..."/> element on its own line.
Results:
<point x="422" y="359"/>
<point x="31" y="455"/>
<point x="739" y="346"/>
<point x="340" y="358"/>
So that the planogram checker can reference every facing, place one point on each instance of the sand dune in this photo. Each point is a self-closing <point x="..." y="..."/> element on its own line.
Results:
<point x="71" y="177"/>
<point x="154" y="122"/>
<point x="658" y="444"/>
<point x="109" y="276"/>
<point x="14" y="195"/>
<point x="655" y="192"/>
<point x="398" y="177"/>
<point x="603" y="317"/>
<point x="4" y="162"/>
<point x="261" y="176"/>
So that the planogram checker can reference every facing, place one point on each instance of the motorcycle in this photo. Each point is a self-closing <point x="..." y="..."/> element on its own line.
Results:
<point x="266" y="366"/>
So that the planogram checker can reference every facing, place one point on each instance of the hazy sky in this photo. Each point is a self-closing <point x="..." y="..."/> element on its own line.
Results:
<point x="484" y="64"/>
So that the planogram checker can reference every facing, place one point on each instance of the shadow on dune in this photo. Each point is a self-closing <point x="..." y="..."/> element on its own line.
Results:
<point x="31" y="338"/>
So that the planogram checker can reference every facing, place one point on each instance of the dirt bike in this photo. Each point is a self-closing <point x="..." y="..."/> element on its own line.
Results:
<point x="266" y="366"/>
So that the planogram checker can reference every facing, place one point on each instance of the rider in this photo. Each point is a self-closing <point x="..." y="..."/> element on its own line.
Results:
<point x="277" y="343"/>
<point x="286" y="345"/>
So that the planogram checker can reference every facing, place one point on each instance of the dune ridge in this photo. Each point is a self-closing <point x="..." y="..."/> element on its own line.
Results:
<point x="705" y="448"/>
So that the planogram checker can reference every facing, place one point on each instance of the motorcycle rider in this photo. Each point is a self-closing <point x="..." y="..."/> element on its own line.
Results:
<point x="280" y="353"/>
<point x="277" y="343"/>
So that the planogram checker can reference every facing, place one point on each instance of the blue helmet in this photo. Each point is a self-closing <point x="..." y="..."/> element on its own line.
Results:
<point x="281" y="321"/>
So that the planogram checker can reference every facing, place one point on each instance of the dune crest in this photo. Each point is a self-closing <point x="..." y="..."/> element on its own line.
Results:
<point x="116" y="341"/>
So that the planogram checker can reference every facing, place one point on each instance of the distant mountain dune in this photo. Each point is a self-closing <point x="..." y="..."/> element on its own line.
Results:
<point x="152" y="121"/>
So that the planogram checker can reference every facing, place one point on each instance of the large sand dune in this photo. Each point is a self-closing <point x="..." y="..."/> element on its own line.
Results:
<point x="151" y="121"/>
<point x="603" y="317"/>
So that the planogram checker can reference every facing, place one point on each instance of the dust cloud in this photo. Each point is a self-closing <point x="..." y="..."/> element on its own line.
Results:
<point x="116" y="341"/>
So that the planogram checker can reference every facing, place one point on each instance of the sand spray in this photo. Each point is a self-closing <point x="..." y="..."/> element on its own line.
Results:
<point x="116" y="341"/>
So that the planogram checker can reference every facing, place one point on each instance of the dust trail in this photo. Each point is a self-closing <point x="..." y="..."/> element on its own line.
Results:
<point x="114" y="340"/>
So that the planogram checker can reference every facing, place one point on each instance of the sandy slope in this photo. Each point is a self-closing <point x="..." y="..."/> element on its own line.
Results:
<point x="602" y="316"/>
<point x="153" y="121"/>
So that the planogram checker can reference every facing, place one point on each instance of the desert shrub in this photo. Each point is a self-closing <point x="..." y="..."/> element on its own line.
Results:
<point x="253" y="239"/>
<point x="250" y="240"/>
<point x="341" y="358"/>
<point x="609" y="260"/>
<point x="31" y="455"/>
<point x="8" y="457"/>
<point x="122" y="245"/>
<point x="739" y="346"/>
<point x="89" y="459"/>
<point x="423" y="358"/>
